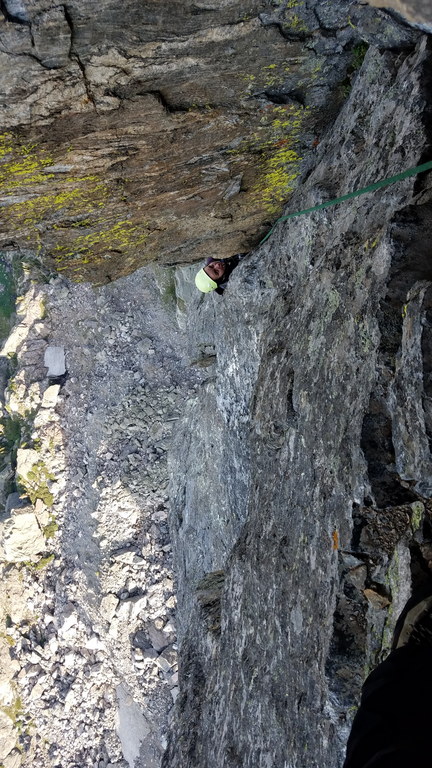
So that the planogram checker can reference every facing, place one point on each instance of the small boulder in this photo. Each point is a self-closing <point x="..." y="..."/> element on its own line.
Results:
<point x="21" y="538"/>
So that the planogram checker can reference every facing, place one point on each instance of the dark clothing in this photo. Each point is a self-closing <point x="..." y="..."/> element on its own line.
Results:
<point x="230" y="264"/>
<point x="392" y="728"/>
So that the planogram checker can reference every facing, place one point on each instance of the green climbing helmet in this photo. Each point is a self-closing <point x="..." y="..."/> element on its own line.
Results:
<point x="204" y="283"/>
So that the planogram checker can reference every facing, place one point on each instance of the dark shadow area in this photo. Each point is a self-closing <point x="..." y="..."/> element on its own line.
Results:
<point x="411" y="235"/>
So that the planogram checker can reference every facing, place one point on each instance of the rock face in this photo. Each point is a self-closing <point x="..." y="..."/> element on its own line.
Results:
<point x="154" y="131"/>
<point x="302" y="477"/>
<point x="415" y="11"/>
<point x="301" y="473"/>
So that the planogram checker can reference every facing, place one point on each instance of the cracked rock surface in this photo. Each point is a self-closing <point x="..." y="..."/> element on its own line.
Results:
<point x="303" y="525"/>
<point x="417" y="12"/>
<point x="167" y="132"/>
<point x="288" y="511"/>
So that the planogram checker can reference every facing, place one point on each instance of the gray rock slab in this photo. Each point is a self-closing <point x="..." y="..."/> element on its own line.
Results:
<point x="157" y="638"/>
<point x="323" y="363"/>
<point x="54" y="360"/>
<point x="131" y="725"/>
<point x="185" y="290"/>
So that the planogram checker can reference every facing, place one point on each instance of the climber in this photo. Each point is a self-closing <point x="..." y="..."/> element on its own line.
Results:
<point x="215" y="273"/>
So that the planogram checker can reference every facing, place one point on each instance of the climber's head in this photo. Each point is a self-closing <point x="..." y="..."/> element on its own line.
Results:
<point x="215" y="269"/>
<point x="207" y="278"/>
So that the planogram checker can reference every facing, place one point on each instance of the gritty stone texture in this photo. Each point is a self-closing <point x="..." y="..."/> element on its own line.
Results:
<point x="54" y="360"/>
<point x="296" y="468"/>
<point x="301" y="475"/>
<point x="167" y="132"/>
<point x="21" y="537"/>
<point x="132" y="726"/>
<point x="88" y="654"/>
<point x="415" y="11"/>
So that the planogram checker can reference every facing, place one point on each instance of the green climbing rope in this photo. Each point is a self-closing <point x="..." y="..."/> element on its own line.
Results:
<point x="370" y="188"/>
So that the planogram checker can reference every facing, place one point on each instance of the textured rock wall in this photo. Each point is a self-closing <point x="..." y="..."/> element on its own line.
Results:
<point x="301" y="472"/>
<point x="152" y="131"/>
<point x="302" y="476"/>
<point x="416" y="11"/>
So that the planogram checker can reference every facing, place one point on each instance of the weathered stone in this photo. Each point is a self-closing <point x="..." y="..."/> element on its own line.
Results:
<point x="21" y="537"/>
<point x="229" y="87"/>
<point x="15" y="501"/>
<point x="26" y="460"/>
<point x="167" y="659"/>
<point x="323" y="360"/>
<point x="416" y="11"/>
<point x="50" y="395"/>
<point x="158" y="639"/>
<point x="68" y="621"/>
<point x="8" y="737"/>
<point x="54" y="360"/>
<point x="7" y="693"/>
<point x="140" y="640"/>
<point x="5" y="478"/>
<point x="270" y="457"/>
<point x="132" y="726"/>
<point x="376" y="600"/>
<point x="94" y="643"/>
<point x="42" y="512"/>
<point x="108" y="606"/>
<point x="13" y="760"/>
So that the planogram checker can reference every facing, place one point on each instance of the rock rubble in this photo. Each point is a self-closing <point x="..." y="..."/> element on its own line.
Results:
<point x="88" y="637"/>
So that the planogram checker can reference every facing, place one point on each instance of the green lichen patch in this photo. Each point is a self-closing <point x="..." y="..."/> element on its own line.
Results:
<point x="107" y="237"/>
<point x="8" y="639"/>
<point x="276" y="144"/>
<point x="294" y="25"/>
<point x="417" y="514"/>
<point x="22" y="164"/>
<point x="77" y="196"/>
<point x="71" y="220"/>
<point x="14" y="711"/>
<point x="44" y="562"/>
<point x="41" y="564"/>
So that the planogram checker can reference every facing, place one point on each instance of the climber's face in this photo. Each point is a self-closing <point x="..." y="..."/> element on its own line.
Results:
<point x="215" y="270"/>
